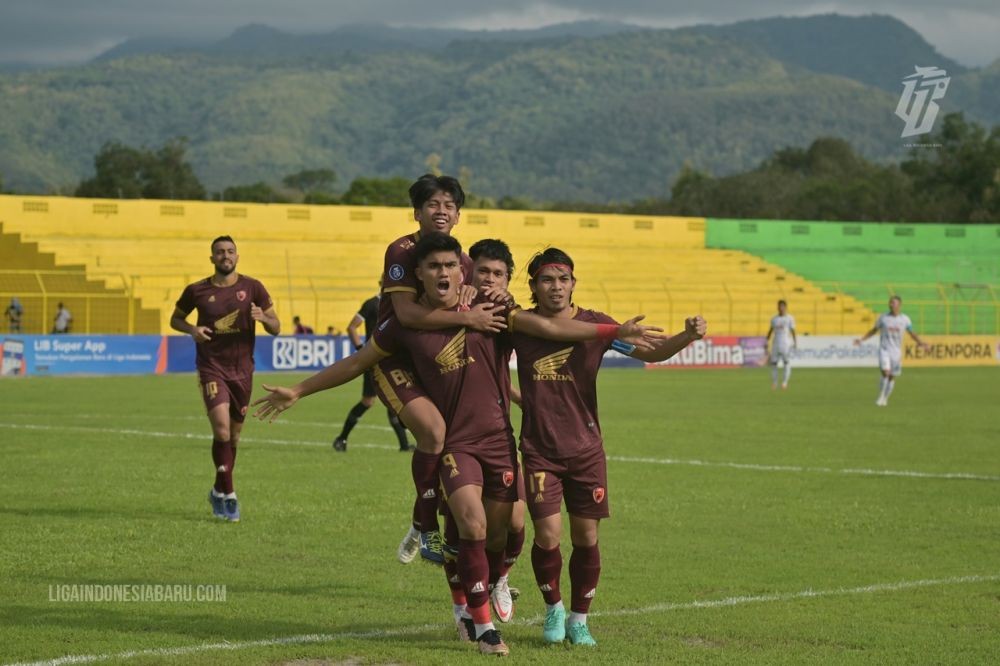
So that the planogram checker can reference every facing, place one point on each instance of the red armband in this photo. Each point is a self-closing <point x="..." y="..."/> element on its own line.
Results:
<point x="607" y="332"/>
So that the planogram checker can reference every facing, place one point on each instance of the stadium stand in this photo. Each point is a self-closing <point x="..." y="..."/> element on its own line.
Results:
<point x="321" y="262"/>
<point x="947" y="275"/>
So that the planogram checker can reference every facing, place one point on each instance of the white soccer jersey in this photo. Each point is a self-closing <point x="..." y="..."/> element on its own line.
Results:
<point x="783" y="327"/>
<point x="891" y="328"/>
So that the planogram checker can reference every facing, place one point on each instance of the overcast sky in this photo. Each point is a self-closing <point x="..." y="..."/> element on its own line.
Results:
<point x="66" y="31"/>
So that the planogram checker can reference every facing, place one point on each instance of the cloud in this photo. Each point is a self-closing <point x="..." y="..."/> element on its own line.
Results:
<point x="53" y="31"/>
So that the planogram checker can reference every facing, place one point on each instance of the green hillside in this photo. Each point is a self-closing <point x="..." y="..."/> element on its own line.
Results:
<point x="606" y="118"/>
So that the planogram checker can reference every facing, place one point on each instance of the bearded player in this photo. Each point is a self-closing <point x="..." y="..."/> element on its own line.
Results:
<point x="229" y="306"/>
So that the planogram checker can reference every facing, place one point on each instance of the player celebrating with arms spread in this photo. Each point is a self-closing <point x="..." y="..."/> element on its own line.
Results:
<point x="463" y="373"/>
<point x="229" y="306"/>
<point x="890" y="327"/>
<point x="561" y="445"/>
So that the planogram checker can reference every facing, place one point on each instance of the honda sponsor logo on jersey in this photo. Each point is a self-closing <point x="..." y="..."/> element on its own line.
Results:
<point x="295" y="353"/>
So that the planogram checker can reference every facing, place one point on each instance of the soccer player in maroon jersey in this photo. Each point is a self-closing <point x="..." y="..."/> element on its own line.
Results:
<point x="437" y="205"/>
<point x="561" y="446"/>
<point x="463" y="372"/>
<point x="492" y="269"/>
<point x="229" y="305"/>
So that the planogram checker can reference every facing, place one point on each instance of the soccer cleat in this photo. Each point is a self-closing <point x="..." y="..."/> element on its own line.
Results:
<point x="432" y="547"/>
<point x="409" y="546"/>
<point x="491" y="643"/>
<point x="232" y="510"/>
<point x="340" y="444"/>
<point x="466" y="629"/>
<point x="218" y="505"/>
<point x="579" y="634"/>
<point x="784" y="387"/>
<point x="501" y="600"/>
<point x="554" y="628"/>
<point x="881" y="402"/>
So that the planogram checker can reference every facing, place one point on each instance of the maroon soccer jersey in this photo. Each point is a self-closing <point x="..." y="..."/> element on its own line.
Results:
<point x="400" y="272"/>
<point x="226" y="311"/>
<point x="461" y="371"/>
<point x="559" y="391"/>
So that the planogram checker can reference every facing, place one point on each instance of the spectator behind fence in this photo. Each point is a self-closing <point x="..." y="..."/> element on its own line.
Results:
<point x="63" y="320"/>
<point x="14" y="313"/>
<point x="300" y="328"/>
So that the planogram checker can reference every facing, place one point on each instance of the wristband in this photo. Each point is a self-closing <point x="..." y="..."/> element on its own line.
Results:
<point x="623" y="347"/>
<point x="358" y="347"/>
<point x="607" y="332"/>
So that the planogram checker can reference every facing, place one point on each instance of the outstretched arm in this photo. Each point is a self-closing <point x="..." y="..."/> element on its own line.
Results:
<point x="694" y="329"/>
<point x="571" y="330"/>
<point x="867" y="335"/>
<point x="916" y="338"/>
<point x="281" y="398"/>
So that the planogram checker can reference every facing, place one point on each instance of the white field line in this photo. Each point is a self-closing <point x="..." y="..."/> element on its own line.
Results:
<point x="412" y="630"/>
<point x="961" y="476"/>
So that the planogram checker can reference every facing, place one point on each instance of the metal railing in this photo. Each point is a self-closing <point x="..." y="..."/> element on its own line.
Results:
<point x="109" y="302"/>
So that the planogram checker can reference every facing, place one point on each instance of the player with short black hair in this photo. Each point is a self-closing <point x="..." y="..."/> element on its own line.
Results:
<point x="890" y="326"/>
<point x="562" y="450"/>
<point x="229" y="305"/>
<point x="783" y="328"/>
<point x="462" y="371"/>
<point x="437" y="205"/>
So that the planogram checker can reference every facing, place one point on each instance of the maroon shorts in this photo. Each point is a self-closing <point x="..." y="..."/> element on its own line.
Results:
<point x="396" y="383"/>
<point x="582" y="481"/>
<point x="491" y="464"/>
<point x="216" y="390"/>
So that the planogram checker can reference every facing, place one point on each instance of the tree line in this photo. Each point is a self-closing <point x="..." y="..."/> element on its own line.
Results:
<point x="953" y="176"/>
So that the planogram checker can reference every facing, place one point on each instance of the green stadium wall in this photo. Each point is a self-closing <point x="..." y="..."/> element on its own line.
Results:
<point x="948" y="274"/>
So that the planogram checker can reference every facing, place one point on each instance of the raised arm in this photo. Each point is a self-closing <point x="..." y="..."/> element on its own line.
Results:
<point x="281" y="398"/>
<point x="694" y="329"/>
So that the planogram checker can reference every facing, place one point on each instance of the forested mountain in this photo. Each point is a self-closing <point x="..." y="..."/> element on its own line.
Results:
<point x="612" y="115"/>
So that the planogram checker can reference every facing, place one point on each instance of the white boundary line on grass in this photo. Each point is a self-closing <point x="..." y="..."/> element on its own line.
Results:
<point x="961" y="476"/>
<point x="406" y="631"/>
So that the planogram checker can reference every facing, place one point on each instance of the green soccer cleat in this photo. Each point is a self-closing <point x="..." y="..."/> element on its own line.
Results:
<point x="579" y="634"/>
<point x="554" y="629"/>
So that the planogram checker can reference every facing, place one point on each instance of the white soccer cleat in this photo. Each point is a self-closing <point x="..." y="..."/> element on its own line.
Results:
<point x="501" y="600"/>
<point x="409" y="546"/>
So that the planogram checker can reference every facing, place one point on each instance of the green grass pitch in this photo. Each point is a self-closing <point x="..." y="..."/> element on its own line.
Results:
<point x="748" y="527"/>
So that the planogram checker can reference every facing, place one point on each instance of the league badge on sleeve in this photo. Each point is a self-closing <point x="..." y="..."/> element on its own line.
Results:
<point x="396" y="272"/>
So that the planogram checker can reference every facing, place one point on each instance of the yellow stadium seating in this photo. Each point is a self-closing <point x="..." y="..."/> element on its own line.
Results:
<point x="321" y="262"/>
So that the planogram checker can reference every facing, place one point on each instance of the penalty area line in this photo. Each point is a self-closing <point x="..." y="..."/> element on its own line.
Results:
<point x="306" y="639"/>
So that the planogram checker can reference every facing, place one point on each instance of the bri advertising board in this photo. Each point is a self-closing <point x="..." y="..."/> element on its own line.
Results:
<point x="285" y="352"/>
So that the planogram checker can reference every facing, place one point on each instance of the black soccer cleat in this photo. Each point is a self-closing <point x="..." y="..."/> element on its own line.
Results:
<point x="340" y="444"/>
<point x="491" y="643"/>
